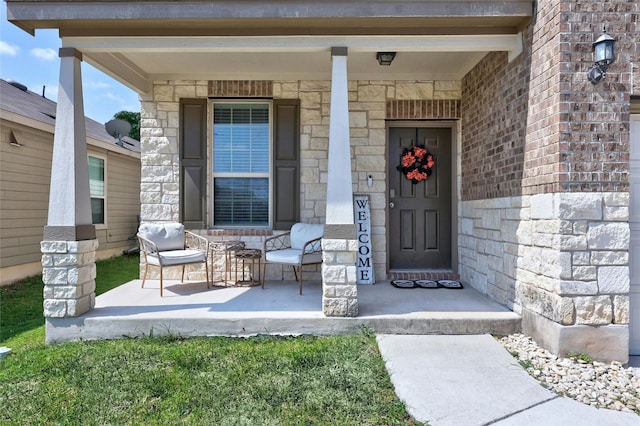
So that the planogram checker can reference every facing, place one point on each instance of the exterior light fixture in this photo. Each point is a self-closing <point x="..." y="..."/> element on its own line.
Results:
<point x="385" y="58"/>
<point x="604" y="56"/>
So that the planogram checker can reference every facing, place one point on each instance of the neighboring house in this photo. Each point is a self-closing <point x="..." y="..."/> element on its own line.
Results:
<point x="27" y="122"/>
<point x="281" y="110"/>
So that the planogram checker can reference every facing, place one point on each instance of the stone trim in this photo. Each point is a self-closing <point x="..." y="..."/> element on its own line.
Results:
<point x="345" y="231"/>
<point x="240" y="89"/>
<point x="415" y="109"/>
<point x="70" y="233"/>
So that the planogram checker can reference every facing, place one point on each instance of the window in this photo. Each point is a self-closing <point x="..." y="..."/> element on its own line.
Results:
<point x="241" y="164"/>
<point x="97" y="189"/>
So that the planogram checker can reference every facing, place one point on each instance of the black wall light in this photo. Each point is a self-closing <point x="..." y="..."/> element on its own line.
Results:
<point x="385" y="58"/>
<point x="604" y="56"/>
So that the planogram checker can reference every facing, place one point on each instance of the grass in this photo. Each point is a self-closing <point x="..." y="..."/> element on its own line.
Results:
<point x="21" y="303"/>
<point x="224" y="381"/>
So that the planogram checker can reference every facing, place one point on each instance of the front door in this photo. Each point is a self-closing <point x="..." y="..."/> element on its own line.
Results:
<point x="420" y="214"/>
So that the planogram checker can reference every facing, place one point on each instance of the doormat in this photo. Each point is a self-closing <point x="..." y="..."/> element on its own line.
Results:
<point x="451" y="284"/>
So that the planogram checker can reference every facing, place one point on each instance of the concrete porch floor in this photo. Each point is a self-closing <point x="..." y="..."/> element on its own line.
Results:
<point x="190" y="309"/>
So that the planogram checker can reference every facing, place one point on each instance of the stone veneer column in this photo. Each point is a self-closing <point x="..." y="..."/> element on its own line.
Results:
<point x="70" y="243"/>
<point x="69" y="273"/>
<point x="339" y="288"/>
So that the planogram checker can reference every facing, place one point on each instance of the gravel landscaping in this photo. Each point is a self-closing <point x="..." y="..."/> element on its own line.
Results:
<point x="594" y="383"/>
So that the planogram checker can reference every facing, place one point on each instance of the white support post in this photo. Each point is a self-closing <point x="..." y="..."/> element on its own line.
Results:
<point x="339" y="244"/>
<point x="70" y="242"/>
<point x="339" y="185"/>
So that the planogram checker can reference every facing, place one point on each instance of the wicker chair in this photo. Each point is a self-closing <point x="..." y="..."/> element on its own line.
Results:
<point x="168" y="244"/>
<point x="298" y="247"/>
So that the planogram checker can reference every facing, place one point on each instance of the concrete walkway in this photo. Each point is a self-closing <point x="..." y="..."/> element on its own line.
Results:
<point x="472" y="380"/>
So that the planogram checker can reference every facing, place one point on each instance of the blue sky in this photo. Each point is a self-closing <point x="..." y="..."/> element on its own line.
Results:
<point x="33" y="61"/>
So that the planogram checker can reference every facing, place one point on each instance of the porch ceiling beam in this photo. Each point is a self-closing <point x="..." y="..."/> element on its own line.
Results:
<point x="122" y="69"/>
<point x="425" y="43"/>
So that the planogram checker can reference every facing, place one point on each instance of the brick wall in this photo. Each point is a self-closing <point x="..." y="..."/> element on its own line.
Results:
<point x="537" y="125"/>
<point x="494" y="108"/>
<point x="594" y="132"/>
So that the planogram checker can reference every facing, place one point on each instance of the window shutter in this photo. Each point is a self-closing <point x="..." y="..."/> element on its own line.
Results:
<point x="193" y="162"/>
<point x="286" y="162"/>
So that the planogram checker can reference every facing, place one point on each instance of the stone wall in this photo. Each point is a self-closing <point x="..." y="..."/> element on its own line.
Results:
<point x="367" y="114"/>
<point x="561" y="260"/>
<point x="489" y="245"/>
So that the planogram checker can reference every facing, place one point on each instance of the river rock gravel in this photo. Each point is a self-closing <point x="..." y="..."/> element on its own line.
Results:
<point x="593" y="383"/>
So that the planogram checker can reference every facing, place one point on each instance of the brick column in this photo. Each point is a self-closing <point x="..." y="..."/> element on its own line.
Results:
<point x="339" y="287"/>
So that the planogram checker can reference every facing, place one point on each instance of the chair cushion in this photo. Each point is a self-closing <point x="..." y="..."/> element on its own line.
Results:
<point x="178" y="257"/>
<point x="303" y="232"/>
<point x="167" y="236"/>
<point x="291" y="257"/>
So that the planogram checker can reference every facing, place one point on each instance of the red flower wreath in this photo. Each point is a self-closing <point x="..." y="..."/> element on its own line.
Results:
<point x="417" y="163"/>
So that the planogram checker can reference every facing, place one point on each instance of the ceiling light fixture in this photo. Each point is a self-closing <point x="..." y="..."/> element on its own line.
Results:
<point x="385" y="58"/>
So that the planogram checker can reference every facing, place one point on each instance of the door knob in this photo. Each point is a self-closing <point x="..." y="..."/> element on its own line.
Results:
<point x="391" y="204"/>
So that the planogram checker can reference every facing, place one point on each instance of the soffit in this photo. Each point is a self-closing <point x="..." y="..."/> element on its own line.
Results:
<point x="77" y="17"/>
<point x="142" y="41"/>
<point x="136" y="61"/>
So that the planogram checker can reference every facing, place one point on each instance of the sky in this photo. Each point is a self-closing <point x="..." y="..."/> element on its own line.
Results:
<point x="33" y="61"/>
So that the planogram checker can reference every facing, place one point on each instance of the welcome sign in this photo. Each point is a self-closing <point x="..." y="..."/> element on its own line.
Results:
<point x="364" y="259"/>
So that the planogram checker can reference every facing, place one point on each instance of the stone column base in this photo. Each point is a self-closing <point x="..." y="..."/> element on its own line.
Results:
<point x="69" y="277"/>
<point x="339" y="285"/>
<point x="601" y="343"/>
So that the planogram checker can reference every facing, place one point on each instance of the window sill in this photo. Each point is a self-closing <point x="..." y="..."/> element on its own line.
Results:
<point x="240" y="232"/>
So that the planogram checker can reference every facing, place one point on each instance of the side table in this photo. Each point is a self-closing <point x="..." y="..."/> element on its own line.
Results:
<point x="224" y="248"/>
<point x="248" y="256"/>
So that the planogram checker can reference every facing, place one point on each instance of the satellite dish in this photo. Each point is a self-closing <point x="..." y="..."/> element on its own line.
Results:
<point x="118" y="128"/>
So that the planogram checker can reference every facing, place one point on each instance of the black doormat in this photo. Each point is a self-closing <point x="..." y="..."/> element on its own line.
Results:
<point x="450" y="284"/>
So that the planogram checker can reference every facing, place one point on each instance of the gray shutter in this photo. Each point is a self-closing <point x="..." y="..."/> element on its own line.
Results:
<point x="286" y="161"/>
<point x="193" y="163"/>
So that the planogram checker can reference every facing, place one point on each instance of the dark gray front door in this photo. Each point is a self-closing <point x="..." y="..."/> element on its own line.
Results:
<point x="420" y="214"/>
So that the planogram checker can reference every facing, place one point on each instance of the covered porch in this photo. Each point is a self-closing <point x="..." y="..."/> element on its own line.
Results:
<point x="190" y="309"/>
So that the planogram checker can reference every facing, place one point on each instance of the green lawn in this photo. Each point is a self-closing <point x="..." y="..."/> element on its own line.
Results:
<point x="222" y="381"/>
<point x="21" y="303"/>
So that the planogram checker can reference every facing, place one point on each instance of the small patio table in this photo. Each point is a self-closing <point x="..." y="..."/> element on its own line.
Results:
<point x="224" y="248"/>
<point x="254" y="256"/>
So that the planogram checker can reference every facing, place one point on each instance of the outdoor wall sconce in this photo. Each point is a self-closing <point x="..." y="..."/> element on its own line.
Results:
<point x="385" y="58"/>
<point x="604" y="56"/>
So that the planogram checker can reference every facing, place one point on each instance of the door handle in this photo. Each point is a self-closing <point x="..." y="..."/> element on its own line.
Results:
<point x="391" y="204"/>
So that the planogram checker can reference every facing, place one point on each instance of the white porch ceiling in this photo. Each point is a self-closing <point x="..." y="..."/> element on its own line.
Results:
<point x="137" y="61"/>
